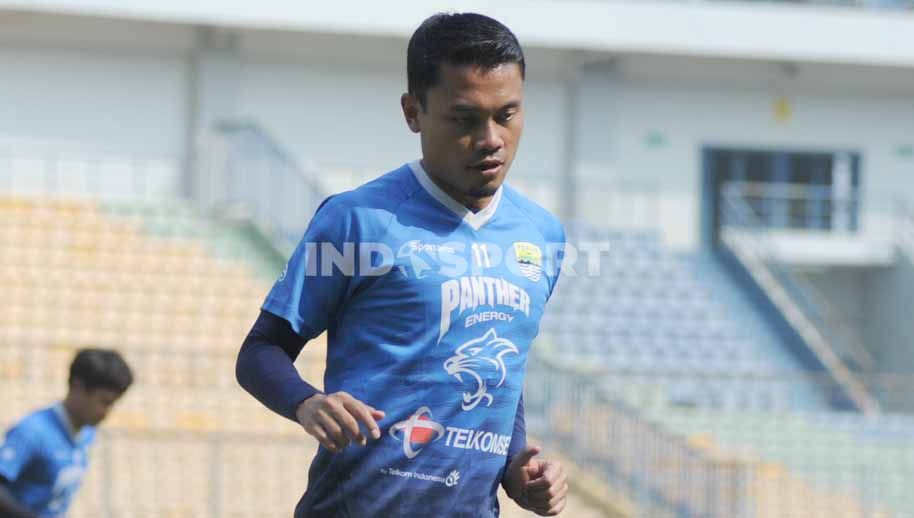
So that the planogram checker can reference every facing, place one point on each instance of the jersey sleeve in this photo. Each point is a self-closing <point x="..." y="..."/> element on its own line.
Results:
<point x="317" y="277"/>
<point x="15" y="454"/>
<point x="556" y="244"/>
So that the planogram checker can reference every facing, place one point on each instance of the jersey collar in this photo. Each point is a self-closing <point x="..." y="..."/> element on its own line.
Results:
<point x="66" y="421"/>
<point x="474" y="219"/>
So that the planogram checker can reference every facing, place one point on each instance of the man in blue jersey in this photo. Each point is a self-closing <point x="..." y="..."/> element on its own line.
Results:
<point x="44" y="457"/>
<point x="430" y="282"/>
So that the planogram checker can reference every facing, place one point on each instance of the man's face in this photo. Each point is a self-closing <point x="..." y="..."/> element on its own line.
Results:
<point x="92" y="406"/>
<point x="470" y="128"/>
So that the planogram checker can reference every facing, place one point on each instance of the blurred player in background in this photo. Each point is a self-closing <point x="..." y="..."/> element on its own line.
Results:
<point x="44" y="457"/>
<point x="430" y="323"/>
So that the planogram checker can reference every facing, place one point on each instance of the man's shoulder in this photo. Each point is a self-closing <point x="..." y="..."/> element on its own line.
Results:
<point x="549" y="225"/>
<point x="384" y="192"/>
<point x="377" y="198"/>
<point x="35" y="424"/>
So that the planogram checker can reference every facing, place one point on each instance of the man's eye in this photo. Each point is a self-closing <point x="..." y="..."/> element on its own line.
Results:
<point x="505" y="117"/>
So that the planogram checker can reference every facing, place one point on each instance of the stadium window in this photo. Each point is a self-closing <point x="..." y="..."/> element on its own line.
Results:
<point x="794" y="190"/>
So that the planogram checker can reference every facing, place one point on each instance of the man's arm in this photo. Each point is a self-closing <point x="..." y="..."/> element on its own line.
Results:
<point x="536" y="485"/>
<point x="10" y="507"/>
<point x="518" y="436"/>
<point x="265" y="366"/>
<point x="265" y="369"/>
<point x="18" y="450"/>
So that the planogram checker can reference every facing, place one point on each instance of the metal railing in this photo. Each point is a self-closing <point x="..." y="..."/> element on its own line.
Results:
<point x="209" y="475"/>
<point x="29" y="168"/>
<point x="799" y="301"/>
<point x="569" y="411"/>
<point x="165" y="465"/>
<point x="798" y="206"/>
<point x="713" y="470"/>
<point x="243" y="169"/>
<point x="606" y="201"/>
<point x="741" y="209"/>
<point x="905" y="227"/>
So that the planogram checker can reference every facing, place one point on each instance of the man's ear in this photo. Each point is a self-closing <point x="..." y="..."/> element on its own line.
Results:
<point x="411" y="107"/>
<point x="76" y="385"/>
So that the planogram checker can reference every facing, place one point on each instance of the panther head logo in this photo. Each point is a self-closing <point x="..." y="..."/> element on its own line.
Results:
<point x="470" y="358"/>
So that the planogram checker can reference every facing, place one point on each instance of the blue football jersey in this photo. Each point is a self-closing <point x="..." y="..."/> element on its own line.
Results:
<point x="43" y="462"/>
<point x="430" y="311"/>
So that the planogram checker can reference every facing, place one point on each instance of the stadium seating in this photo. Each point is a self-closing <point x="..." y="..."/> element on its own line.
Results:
<point x="671" y="328"/>
<point x="676" y="343"/>
<point x="176" y="292"/>
<point x="166" y="287"/>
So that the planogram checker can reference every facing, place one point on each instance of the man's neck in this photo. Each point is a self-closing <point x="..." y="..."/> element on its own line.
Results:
<point x="74" y="422"/>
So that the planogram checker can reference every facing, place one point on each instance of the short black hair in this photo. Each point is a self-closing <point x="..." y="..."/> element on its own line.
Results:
<point x="458" y="39"/>
<point x="101" y="369"/>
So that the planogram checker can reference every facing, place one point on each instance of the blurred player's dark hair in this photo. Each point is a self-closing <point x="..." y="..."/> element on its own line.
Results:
<point x="101" y="369"/>
<point x="457" y="39"/>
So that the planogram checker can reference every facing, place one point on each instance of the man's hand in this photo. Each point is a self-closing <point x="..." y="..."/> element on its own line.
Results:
<point x="333" y="419"/>
<point x="9" y="506"/>
<point x="540" y="486"/>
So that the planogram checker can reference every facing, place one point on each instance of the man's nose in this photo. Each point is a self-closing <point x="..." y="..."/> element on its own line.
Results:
<point x="490" y="138"/>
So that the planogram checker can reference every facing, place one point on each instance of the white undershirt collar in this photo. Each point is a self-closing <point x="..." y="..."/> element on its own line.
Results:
<point x="474" y="219"/>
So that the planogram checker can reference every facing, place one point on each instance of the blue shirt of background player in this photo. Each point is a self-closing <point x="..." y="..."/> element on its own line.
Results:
<point x="43" y="461"/>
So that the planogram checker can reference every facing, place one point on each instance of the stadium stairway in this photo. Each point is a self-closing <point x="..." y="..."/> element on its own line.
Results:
<point x="176" y="292"/>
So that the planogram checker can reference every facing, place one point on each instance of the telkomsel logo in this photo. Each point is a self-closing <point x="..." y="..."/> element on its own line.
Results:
<point x="417" y="431"/>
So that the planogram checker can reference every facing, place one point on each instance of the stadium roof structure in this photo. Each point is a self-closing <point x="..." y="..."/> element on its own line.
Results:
<point x="756" y="30"/>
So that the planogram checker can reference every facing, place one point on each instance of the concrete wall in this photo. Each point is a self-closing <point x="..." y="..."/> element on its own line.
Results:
<point x="661" y="112"/>
<point x="845" y="292"/>
<point x="889" y="299"/>
<point x="91" y="90"/>
<point x="133" y="87"/>
<point x="343" y="111"/>
<point x="875" y="305"/>
<point x="116" y="86"/>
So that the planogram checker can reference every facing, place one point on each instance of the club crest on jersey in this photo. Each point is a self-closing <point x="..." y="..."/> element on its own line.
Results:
<point x="529" y="260"/>
<point x="471" y="358"/>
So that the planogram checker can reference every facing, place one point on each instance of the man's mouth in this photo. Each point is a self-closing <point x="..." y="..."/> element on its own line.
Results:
<point x="488" y="167"/>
